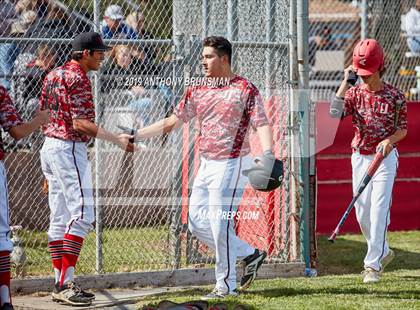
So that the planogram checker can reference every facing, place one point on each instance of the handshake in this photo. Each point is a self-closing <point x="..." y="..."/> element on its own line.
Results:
<point x="128" y="131"/>
<point x="266" y="172"/>
<point x="132" y="132"/>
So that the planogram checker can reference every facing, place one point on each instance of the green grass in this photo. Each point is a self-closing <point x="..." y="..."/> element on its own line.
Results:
<point x="339" y="284"/>
<point x="124" y="250"/>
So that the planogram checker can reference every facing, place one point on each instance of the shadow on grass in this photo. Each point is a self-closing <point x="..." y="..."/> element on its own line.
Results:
<point x="346" y="257"/>
<point x="195" y="294"/>
<point x="377" y="292"/>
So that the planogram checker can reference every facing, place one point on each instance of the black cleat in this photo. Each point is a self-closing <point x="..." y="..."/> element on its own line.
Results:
<point x="56" y="290"/>
<point x="253" y="262"/>
<point x="70" y="294"/>
<point x="7" y="306"/>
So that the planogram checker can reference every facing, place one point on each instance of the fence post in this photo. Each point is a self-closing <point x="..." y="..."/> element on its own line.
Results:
<point x="293" y="132"/>
<point x="175" y="228"/>
<point x="269" y="37"/>
<point x="304" y="102"/>
<point x="98" y="145"/>
<point x="232" y="27"/>
<point x="364" y="20"/>
<point x="205" y="7"/>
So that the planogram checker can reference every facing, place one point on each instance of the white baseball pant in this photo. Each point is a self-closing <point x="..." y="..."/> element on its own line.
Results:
<point x="67" y="168"/>
<point x="216" y="194"/>
<point x="374" y="204"/>
<point x="5" y="243"/>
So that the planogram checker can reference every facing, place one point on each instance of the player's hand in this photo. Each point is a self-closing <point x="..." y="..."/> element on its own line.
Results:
<point x="386" y="146"/>
<point x="266" y="160"/>
<point x="126" y="142"/>
<point x="347" y="72"/>
<point x="43" y="116"/>
<point x="269" y="156"/>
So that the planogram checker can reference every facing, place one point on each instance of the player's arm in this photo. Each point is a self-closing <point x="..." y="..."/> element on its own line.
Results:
<point x="400" y="126"/>
<point x="388" y="144"/>
<point x="259" y="119"/>
<point x="161" y="127"/>
<point x="182" y="114"/>
<point x="397" y="136"/>
<point x="85" y="126"/>
<point x="266" y="137"/>
<point x="337" y="104"/>
<point x="22" y="130"/>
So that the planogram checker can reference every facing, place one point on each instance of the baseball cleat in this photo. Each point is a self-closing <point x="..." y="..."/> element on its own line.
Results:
<point x="217" y="294"/>
<point x="71" y="294"/>
<point x="56" y="290"/>
<point x="88" y="295"/>
<point x="387" y="259"/>
<point x="7" y="306"/>
<point x="252" y="262"/>
<point x="371" y="275"/>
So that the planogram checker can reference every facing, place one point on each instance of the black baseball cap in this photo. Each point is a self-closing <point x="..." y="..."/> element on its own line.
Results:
<point x="89" y="41"/>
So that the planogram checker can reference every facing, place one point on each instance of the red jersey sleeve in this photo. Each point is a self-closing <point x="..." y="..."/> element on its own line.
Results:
<point x="256" y="108"/>
<point x="81" y="100"/>
<point x="186" y="109"/>
<point x="9" y="117"/>
<point x="349" y="102"/>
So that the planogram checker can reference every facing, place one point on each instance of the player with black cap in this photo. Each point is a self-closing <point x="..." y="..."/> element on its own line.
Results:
<point x="67" y="92"/>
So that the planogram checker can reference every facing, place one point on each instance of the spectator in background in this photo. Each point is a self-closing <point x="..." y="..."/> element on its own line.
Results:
<point x="120" y="66"/>
<point x="114" y="26"/>
<point x="55" y="25"/>
<point x="28" y="77"/>
<point x="20" y="26"/>
<point x="26" y="5"/>
<point x="145" y="100"/>
<point x="322" y="42"/>
<point x="8" y="52"/>
<point x="7" y="14"/>
<point x="136" y="21"/>
<point x="412" y="26"/>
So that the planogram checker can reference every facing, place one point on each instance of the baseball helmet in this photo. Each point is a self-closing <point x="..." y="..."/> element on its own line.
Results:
<point x="368" y="57"/>
<point x="265" y="175"/>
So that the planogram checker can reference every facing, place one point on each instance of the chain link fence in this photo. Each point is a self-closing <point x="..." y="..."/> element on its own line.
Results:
<point x="142" y="198"/>
<point x="336" y="25"/>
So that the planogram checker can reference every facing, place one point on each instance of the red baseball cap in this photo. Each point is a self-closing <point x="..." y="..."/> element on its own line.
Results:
<point x="368" y="57"/>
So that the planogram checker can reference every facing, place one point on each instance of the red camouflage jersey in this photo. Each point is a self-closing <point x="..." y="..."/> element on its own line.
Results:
<point x="8" y="116"/>
<point x="374" y="114"/>
<point x="224" y="114"/>
<point x="68" y="94"/>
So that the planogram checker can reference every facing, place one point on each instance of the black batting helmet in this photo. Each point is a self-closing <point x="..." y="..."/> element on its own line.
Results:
<point x="264" y="176"/>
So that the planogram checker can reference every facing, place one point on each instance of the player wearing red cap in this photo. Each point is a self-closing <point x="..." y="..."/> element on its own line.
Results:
<point x="379" y="113"/>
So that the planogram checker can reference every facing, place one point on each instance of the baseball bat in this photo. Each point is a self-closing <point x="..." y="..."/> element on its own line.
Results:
<point x="365" y="181"/>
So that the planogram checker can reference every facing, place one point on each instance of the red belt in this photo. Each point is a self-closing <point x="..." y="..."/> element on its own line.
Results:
<point x="1" y="155"/>
<point x="363" y="152"/>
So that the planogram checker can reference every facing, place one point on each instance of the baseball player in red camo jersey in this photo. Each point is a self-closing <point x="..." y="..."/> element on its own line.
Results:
<point x="11" y="122"/>
<point x="67" y="92"/>
<point x="379" y="114"/>
<point x="224" y="113"/>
